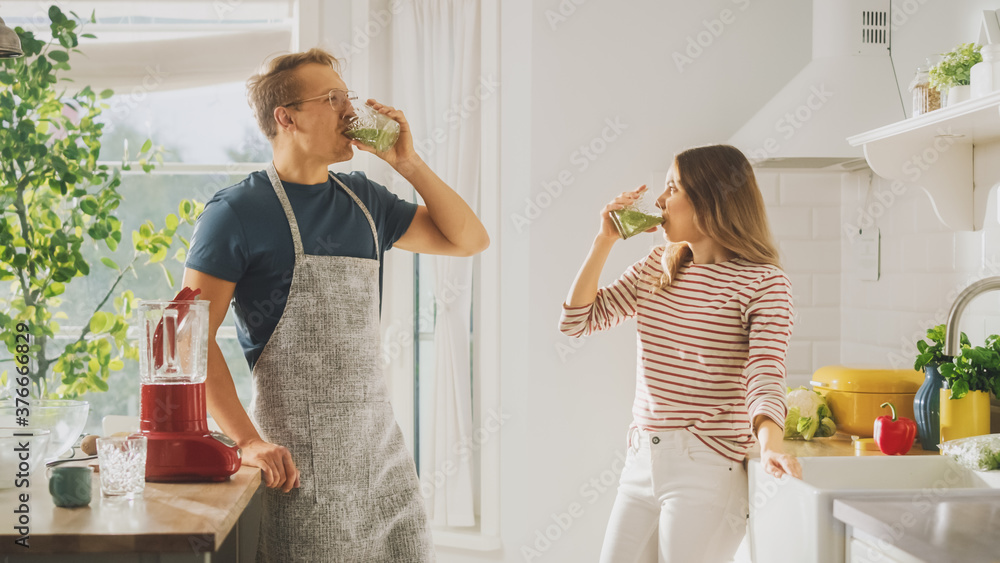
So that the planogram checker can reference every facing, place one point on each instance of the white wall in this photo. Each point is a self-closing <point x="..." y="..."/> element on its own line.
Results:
<point x="609" y="61"/>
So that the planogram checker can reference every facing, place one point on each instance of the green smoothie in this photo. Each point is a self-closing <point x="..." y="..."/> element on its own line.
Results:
<point x="376" y="138"/>
<point x="630" y="222"/>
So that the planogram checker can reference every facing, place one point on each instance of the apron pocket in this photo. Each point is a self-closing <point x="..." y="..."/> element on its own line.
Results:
<point x="341" y="449"/>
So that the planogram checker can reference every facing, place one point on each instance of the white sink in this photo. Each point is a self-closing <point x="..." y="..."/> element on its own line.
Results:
<point x="792" y="520"/>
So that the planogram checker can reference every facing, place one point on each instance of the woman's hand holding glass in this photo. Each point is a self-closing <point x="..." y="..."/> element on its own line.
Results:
<point x="608" y="230"/>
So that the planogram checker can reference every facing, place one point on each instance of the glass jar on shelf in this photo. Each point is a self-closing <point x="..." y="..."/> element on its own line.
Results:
<point x="925" y="98"/>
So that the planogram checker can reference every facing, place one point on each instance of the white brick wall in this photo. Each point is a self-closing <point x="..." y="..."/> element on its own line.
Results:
<point x="843" y="319"/>
<point x="924" y="266"/>
<point x="804" y="210"/>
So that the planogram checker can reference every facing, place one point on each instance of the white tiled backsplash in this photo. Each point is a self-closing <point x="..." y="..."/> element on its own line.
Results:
<point x="804" y="210"/>
<point x="924" y="265"/>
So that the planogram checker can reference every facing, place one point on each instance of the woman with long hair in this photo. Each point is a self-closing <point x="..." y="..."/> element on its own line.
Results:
<point x="714" y="315"/>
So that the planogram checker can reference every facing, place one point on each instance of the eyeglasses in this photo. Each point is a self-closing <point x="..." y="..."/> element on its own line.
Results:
<point x="338" y="99"/>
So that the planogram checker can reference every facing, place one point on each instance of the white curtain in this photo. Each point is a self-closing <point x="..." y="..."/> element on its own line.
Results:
<point x="438" y="83"/>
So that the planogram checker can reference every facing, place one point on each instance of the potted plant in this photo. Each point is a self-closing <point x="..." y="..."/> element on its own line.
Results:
<point x="59" y="205"/>
<point x="926" y="403"/>
<point x="951" y="75"/>
<point x="968" y="381"/>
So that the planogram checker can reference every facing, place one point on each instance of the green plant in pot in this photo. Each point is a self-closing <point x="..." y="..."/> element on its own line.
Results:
<point x="969" y="379"/>
<point x="927" y="401"/>
<point x="59" y="207"/>
<point x="951" y="75"/>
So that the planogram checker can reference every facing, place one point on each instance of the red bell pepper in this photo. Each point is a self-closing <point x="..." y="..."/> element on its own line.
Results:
<point x="893" y="435"/>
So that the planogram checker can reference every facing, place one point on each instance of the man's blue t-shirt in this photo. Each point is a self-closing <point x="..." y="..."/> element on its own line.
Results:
<point x="243" y="236"/>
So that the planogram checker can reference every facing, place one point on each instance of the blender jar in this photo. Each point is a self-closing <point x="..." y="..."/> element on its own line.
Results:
<point x="637" y="217"/>
<point x="173" y="341"/>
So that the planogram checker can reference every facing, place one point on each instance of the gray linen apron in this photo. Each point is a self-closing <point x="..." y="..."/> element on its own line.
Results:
<point x="319" y="391"/>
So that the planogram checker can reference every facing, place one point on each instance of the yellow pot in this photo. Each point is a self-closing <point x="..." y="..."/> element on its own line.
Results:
<point x="968" y="416"/>
<point x="855" y="394"/>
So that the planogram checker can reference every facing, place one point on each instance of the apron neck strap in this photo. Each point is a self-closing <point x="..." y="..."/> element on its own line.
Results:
<point x="272" y="174"/>
<point x="371" y="222"/>
<point x="279" y="189"/>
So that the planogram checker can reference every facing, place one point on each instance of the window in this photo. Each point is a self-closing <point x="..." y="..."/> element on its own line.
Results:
<point x="152" y="54"/>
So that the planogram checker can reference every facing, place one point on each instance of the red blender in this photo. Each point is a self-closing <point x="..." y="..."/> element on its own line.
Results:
<point x="173" y="364"/>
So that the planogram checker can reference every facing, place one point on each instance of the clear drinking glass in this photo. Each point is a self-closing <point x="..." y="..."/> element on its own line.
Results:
<point x="372" y="128"/>
<point x="122" y="465"/>
<point x="636" y="218"/>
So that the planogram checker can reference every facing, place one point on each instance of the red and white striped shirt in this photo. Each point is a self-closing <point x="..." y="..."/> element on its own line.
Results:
<point x="711" y="346"/>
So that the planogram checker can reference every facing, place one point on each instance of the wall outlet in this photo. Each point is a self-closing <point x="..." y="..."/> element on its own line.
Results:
<point x="866" y="248"/>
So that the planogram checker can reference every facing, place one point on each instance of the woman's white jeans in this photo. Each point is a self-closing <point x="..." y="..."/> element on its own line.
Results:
<point x="677" y="492"/>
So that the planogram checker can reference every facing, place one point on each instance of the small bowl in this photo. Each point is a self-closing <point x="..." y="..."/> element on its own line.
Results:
<point x="11" y="440"/>
<point x="65" y="418"/>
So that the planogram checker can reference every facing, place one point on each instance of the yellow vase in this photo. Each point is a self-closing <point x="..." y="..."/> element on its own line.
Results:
<point x="968" y="416"/>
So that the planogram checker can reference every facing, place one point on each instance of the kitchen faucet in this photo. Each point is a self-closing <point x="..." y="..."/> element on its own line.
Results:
<point x="951" y="332"/>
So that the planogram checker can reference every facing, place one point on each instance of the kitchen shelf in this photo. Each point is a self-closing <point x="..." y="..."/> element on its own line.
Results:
<point x="952" y="153"/>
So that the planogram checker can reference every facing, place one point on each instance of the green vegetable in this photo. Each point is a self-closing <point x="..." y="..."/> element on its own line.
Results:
<point x="631" y="222"/>
<point x="954" y="68"/>
<point x="979" y="453"/>
<point x="974" y="369"/>
<point x="933" y="354"/>
<point x="376" y="138"/>
<point x="808" y="415"/>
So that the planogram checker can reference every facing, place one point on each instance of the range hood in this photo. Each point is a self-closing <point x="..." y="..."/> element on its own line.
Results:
<point x="849" y="87"/>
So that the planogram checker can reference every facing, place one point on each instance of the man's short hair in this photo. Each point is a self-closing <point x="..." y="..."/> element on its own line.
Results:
<point x="276" y="85"/>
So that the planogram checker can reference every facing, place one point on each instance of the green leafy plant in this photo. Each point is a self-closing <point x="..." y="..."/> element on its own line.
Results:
<point x="933" y="354"/>
<point x="57" y="201"/>
<point x="953" y="70"/>
<point x="974" y="369"/>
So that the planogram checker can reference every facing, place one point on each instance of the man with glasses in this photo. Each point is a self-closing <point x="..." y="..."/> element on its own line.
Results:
<point x="298" y="250"/>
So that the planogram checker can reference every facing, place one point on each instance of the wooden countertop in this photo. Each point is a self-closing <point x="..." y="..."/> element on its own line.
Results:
<point x="945" y="529"/>
<point x="169" y="517"/>
<point x="836" y="445"/>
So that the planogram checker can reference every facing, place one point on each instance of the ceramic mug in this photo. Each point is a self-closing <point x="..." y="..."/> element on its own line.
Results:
<point x="70" y="485"/>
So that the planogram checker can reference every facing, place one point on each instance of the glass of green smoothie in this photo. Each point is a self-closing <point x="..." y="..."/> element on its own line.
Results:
<point x="636" y="218"/>
<point x="372" y="128"/>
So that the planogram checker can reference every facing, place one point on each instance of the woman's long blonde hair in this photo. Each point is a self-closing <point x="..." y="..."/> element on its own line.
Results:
<point x="728" y="206"/>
